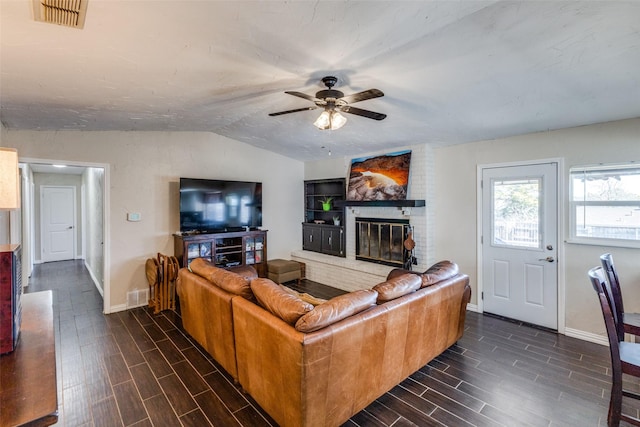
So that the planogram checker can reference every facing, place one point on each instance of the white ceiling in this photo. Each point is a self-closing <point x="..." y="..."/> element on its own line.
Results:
<point x="452" y="71"/>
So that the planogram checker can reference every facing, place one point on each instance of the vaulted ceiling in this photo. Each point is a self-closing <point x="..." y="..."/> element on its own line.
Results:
<point x="452" y="71"/>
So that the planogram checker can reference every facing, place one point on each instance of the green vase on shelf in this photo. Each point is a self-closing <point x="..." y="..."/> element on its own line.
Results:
<point x="326" y="203"/>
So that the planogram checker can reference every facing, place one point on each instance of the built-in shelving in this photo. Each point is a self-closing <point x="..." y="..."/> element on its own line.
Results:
<point x="323" y="230"/>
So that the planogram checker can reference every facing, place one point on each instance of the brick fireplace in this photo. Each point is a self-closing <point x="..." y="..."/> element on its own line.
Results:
<point x="352" y="273"/>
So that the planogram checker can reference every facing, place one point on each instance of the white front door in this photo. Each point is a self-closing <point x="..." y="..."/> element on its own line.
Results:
<point x="519" y="243"/>
<point x="58" y="222"/>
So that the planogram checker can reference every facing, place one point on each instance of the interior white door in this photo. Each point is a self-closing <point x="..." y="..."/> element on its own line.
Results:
<point x="519" y="243"/>
<point x="58" y="223"/>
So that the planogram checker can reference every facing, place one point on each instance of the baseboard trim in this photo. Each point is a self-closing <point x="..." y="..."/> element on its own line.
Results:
<point x="94" y="279"/>
<point x="473" y="307"/>
<point x="117" y="308"/>
<point x="586" y="336"/>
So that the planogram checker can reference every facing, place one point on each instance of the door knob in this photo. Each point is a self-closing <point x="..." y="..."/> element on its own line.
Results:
<point x="548" y="259"/>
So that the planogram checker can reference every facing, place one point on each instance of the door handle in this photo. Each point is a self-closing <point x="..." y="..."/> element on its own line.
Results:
<point x="548" y="259"/>
<point x="70" y="227"/>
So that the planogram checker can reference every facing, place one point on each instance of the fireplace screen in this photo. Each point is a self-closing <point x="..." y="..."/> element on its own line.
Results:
<point x="381" y="241"/>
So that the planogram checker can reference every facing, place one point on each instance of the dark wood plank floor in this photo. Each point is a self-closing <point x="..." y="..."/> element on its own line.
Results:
<point x="136" y="369"/>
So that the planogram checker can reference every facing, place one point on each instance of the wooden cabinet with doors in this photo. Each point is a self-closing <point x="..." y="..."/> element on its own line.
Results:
<point x="327" y="239"/>
<point x="224" y="249"/>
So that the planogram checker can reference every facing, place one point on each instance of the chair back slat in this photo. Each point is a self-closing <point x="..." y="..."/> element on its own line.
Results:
<point x="597" y="277"/>
<point x="616" y="293"/>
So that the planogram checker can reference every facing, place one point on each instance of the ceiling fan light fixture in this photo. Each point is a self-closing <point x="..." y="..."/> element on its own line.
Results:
<point x="330" y="119"/>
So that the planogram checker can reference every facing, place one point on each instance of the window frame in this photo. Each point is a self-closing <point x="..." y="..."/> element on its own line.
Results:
<point x="574" y="204"/>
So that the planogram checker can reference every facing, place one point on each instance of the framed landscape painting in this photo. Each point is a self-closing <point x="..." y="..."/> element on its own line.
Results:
<point x="384" y="177"/>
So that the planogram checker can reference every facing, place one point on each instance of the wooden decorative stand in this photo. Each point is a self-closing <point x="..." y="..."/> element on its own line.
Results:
<point x="162" y="273"/>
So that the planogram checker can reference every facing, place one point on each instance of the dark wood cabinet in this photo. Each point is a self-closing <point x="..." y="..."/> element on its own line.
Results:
<point x="333" y="241"/>
<point x="28" y="395"/>
<point x="327" y="239"/>
<point x="10" y="294"/>
<point x="224" y="249"/>
<point x="323" y="229"/>
<point x="311" y="238"/>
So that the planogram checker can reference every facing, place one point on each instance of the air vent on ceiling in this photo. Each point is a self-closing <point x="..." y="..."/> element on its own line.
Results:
<point x="70" y="13"/>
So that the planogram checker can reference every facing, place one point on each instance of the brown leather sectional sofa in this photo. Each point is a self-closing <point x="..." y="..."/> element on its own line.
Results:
<point x="318" y="366"/>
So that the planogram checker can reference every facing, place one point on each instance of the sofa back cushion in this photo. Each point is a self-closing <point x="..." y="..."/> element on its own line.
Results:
<point x="336" y="309"/>
<point x="439" y="271"/>
<point x="279" y="302"/>
<point x="397" y="287"/>
<point x="230" y="282"/>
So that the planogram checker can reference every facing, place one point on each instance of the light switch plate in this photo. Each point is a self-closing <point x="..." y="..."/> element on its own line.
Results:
<point x="133" y="216"/>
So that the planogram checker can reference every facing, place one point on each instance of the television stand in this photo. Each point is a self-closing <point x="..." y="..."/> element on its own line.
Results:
<point x="225" y="249"/>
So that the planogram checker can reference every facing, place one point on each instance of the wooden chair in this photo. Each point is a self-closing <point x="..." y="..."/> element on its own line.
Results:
<point x="630" y="321"/>
<point x="162" y="273"/>
<point x="625" y="356"/>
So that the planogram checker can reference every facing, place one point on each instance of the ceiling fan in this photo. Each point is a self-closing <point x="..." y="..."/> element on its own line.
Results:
<point x="335" y="102"/>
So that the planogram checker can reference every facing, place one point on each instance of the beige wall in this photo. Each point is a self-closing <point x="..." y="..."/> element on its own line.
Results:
<point x="455" y="205"/>
<point x="145" y="168"/>
<point x="5" y="237"/>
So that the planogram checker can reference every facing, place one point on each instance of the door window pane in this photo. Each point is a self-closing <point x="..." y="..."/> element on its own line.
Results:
<point x="516" y="213"/>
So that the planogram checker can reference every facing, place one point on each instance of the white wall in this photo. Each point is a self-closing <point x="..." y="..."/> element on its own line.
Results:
<point x="455" y="204"/>
<point x="93" y="188"/>
<point x="145" y="168"/>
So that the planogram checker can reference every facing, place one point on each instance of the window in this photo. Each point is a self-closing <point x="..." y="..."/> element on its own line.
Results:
<point x="605" y="204"/>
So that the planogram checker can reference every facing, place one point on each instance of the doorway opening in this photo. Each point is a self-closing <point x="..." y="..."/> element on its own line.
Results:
<point x="77" y="222"/>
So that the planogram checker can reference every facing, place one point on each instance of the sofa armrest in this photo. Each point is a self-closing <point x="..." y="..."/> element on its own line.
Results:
<point x="206" y="316"/>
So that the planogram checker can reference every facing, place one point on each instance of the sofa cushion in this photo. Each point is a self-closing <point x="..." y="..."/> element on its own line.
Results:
<point x="397" y="287"/>
<point x="246" y="271"/>
<point x="439" y="271"/>
<point x="279" y="302"/>
<point x="230" y="282"/>
<point x="336" y="309"/>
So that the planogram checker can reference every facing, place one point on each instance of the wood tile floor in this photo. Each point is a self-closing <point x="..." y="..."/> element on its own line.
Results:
<point x="136" y="369"/>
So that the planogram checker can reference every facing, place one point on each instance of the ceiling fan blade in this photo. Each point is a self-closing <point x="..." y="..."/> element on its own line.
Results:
<point x="364" y="113"/>
<point x="302" y="95"/>
<point x="362" y="96"/>
<point x="293" y="111"/>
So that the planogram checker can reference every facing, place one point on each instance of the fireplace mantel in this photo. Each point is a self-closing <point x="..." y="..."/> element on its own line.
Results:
<point x="382" y="203"/>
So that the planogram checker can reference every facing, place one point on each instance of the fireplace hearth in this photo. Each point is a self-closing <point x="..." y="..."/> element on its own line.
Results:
<point x="381" y="241"/>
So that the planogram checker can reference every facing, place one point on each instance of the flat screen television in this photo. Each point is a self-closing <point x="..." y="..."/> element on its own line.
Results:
<point x="213" y="206"/>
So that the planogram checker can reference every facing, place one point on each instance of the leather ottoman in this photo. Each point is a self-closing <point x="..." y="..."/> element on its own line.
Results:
<point x="282" y="270"/>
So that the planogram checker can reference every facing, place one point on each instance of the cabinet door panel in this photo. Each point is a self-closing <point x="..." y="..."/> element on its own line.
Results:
<point x="311" y="238"/>
<point x="332" y="241"/>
